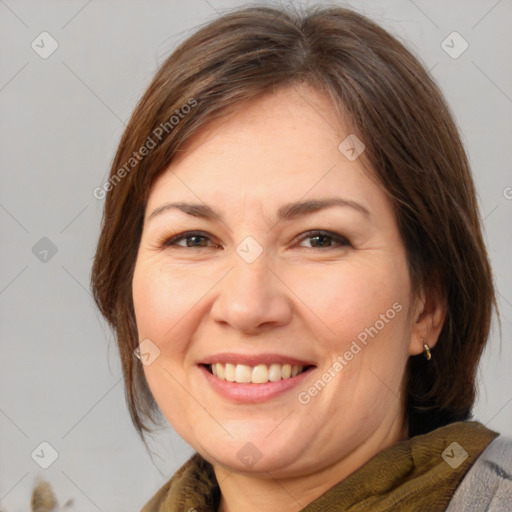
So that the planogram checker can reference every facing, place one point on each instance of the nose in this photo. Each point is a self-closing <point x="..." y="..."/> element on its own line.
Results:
<point x="252" y="297"/>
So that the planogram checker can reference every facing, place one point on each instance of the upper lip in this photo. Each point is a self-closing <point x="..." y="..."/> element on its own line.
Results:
<point x="254" y="359"/>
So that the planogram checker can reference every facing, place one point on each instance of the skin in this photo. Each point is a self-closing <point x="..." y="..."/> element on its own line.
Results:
<point x="303" y="296"/>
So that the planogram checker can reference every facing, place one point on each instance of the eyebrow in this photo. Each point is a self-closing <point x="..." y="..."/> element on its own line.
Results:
<point x="286" y="212"/>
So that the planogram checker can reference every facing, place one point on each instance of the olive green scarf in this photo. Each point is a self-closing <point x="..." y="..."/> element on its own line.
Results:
<point x="414" y="475"/>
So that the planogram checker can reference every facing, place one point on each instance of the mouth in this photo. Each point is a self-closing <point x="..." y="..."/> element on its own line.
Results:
<point x="256" y="374"/>
<point x="254" y="378"/>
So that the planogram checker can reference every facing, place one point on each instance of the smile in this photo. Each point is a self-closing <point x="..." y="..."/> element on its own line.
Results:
<point x="257" y="378"/>
<point x="259" y="374"/>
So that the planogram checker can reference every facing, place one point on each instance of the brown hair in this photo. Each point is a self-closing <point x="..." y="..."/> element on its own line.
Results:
<point x="412" y="145"/>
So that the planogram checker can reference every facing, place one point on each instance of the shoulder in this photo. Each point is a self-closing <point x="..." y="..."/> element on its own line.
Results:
<point x="487" y="487"/>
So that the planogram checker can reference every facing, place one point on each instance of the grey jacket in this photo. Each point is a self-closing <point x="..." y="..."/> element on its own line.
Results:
<point x="487" y="487"/>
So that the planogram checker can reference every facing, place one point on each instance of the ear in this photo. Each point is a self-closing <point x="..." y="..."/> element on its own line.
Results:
<point x="428" y="319"/>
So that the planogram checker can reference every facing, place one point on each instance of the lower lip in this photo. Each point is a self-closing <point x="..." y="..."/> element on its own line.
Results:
<point x="248" y="393"/>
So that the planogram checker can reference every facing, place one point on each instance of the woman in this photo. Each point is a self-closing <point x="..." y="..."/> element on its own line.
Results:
<point x="292" y="261"/>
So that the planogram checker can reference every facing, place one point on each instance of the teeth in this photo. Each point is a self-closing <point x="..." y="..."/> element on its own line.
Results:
<point x="274" y="372"/>
<point x="229" y="373"/>
<point x="259" y="374"/>
<point x="243" y="373"/>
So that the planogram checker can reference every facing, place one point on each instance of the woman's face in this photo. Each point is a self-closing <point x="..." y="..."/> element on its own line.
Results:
<point x="248" y="292"/>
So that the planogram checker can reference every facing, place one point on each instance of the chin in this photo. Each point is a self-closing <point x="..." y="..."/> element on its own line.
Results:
<point x="249" y="459"/>
<point x="252" y="453"/>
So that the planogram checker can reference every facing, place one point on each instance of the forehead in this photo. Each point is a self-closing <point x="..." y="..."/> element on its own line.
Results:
<point x="283" y="146"/>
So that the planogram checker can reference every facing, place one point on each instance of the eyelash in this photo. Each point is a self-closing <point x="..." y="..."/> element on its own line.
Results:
<point x="342" y="241"/>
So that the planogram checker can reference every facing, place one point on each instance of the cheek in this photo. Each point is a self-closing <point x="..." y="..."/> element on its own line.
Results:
<point x="149" y="301"/>
<point x="365" y="308"/>
<point x="352" y="297"/>
<point x="161" y="299"/>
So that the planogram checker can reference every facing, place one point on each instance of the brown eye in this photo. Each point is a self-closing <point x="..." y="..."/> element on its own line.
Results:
<point x="190" y="239"/>
<point x="325" y="239"/>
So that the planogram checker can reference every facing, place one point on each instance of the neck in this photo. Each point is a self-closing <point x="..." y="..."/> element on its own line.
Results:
<point x="246" y="493"/>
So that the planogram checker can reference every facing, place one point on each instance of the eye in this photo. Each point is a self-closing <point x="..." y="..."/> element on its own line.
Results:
<point x="325" y="239"/>
<point x="319" y="239"/>
<point x="191" y="239"/>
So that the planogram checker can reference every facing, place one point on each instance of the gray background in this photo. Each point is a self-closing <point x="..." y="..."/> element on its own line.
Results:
<point x="61" y="120"/>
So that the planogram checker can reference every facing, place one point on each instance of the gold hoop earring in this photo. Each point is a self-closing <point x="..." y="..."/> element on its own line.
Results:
<point x="426" y="352"/>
